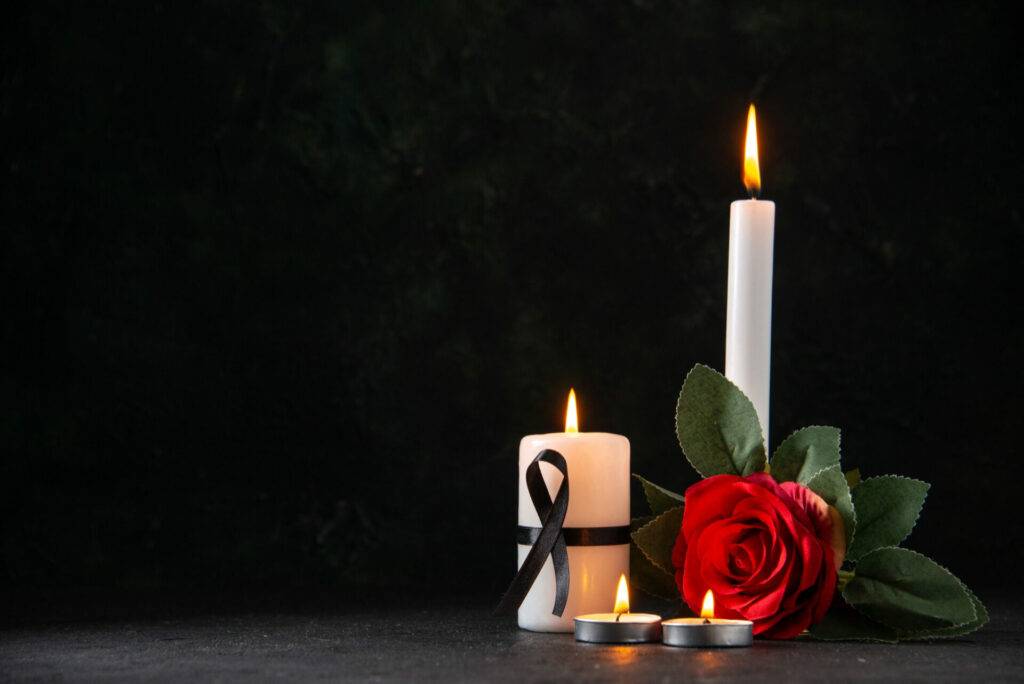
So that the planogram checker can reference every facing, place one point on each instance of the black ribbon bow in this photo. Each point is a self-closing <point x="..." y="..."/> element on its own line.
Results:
<point x="551" y="540"/>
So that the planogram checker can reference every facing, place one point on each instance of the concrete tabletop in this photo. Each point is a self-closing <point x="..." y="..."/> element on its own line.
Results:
<point x="459" y="643"/>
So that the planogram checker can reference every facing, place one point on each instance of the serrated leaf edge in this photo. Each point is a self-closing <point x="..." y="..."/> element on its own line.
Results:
<point x="853" y="508"/>
<point x="943" y="567"/>
<point x="679" y="401"/>
<point x="644" y="557"/>
<point x="808" y="427"/>
<point x="644" y="481"/>
<point x="644" y="520"/>
<point x="924" y="636"/>
<point x="874" y="640"/>
<point x="847" y="473"/>
<point x="861" y="639"/>
<point x="927" y="489"/>
<point x="634" y="533"/>
<point x="640" y="586"/>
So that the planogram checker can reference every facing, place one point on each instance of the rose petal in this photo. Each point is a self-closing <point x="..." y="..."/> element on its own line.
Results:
<point x="766" y="550"/>
<point x="828" y="524"/>
<point x="710" y="499"/>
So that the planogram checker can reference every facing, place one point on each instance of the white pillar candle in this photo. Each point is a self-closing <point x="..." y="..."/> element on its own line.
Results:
<point x="598" y="465"/>
<point x="748" y="321"/>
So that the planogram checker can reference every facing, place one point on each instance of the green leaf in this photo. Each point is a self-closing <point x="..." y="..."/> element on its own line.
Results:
<point x="960" y="630"/>
<point x="656" y="538"/>
<point x="717" y="426"/>
<point x="853" y="478"/>
<point x="805" y="452"/>
<point x="645" y="575"/>
<point x="830" y="485"/>
<point x="909" y="592"/>
<point x="887" y="510"/>
<point x="659" y="498"/>
<point x="639" y="521"/>
<point x="843" y="623"/>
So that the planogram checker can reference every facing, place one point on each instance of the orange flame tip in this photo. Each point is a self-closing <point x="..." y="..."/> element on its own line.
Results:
<point x="571" y="421"/>
<point x="751" y="167"/>
<point x="707" y="609"/>
<point x="621" y="596"/>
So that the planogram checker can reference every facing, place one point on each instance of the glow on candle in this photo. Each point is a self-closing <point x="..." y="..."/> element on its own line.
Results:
<point x="571" y="422"/>
<point x="751" y="167"/>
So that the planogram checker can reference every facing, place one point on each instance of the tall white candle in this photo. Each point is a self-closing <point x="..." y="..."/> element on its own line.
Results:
<point x="748" y="321"/>
<point x="598" y="465"/>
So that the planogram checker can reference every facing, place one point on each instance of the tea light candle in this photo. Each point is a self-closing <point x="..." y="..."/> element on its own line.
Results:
<point x="707" y="631"/>
<point x="619" y="626"/>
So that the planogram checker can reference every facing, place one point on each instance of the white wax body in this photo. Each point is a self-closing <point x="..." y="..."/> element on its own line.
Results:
<point x="598" y="465"/>
<point x="748" y="320"/>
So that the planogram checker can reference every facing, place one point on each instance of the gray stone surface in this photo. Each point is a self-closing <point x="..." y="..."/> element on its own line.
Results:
<point x="462" y="644"/>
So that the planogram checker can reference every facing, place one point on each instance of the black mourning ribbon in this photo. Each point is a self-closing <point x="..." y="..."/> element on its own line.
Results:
<point x="549" y="541"/>
<point x="551" y="538"/>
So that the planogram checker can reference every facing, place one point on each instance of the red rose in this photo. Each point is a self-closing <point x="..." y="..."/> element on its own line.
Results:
<point x="769" y="552"/>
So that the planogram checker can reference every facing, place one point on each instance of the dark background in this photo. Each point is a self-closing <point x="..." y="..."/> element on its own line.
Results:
<point x="284" y="284"/>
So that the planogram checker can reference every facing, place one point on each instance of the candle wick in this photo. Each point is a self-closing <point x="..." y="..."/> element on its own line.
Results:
<point x="707" y="621"/>
<point x="618" y="616"/>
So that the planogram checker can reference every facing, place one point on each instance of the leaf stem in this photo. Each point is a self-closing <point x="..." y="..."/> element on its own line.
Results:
<point x="844" y="578"/>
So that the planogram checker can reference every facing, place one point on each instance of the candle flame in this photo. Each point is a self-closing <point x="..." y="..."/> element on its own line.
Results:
<point x="621" y="597"/>
<point x="707" y="610"/>
<point x="571" y="422"/>
<point x="751" y="168"/>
